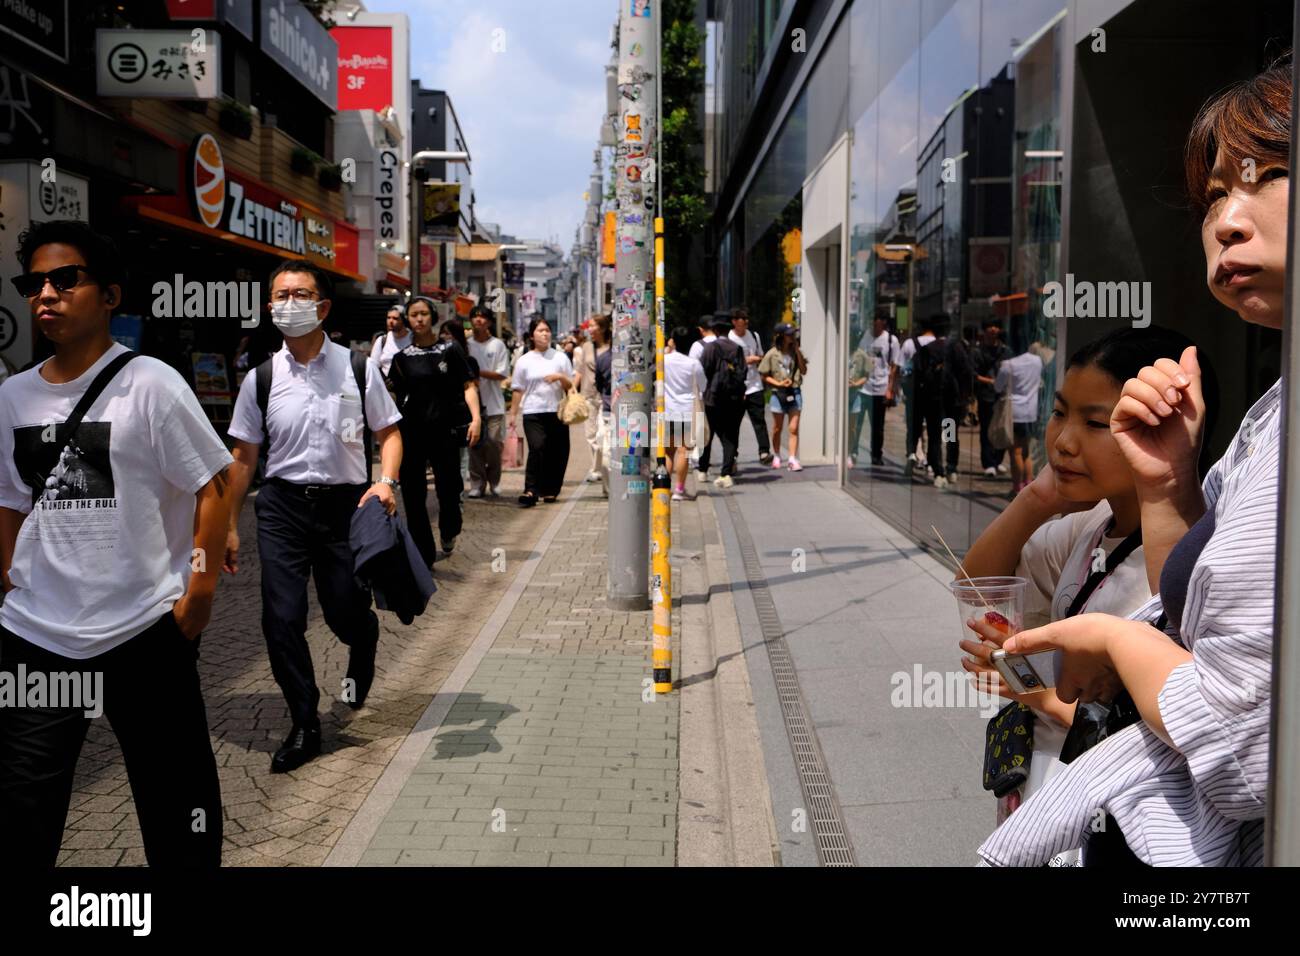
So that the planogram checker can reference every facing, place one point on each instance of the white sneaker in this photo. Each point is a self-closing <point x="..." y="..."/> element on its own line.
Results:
<point x="1003" y="469"/>
<point x="723" y="481"/>
<point x="593" y="476"/>
<point x="701" y="476"/>
<point x="991" y="472"/>
<point x="679" y="496"/>
<point x="474" y="493"/>
<point x="776" y="461"/>
<point x="793" y="464"/>
<point x="941" y="482"/>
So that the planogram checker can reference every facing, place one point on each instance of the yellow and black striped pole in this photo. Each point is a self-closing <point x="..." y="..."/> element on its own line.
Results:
<point x="661" y="531"/>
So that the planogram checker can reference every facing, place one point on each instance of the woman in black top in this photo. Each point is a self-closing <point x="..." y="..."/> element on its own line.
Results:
<point x="438" y="396"/>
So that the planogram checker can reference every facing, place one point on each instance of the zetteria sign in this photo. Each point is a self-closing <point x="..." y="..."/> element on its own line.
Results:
<point x="293" y="38"/>
<point x="224" y="200"/>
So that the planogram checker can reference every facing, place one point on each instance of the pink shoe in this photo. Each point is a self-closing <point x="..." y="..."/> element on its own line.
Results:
<point x="793" y="465"/>
<point x="776" y="461"/>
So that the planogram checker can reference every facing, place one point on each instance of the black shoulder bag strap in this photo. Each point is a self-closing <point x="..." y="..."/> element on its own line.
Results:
<point x="101" y="381"/>
<point x="1113" y="561"/>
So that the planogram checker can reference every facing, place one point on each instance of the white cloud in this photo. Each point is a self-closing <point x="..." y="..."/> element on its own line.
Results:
<point x="531" y="113"/>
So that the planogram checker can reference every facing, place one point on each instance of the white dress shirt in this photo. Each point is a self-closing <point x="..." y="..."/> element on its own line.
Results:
<point x="697" y="347"/>
<point x="314" y="417"/>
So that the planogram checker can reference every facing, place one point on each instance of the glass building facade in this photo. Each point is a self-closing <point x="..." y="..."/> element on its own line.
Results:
<point x="982" y="149"/>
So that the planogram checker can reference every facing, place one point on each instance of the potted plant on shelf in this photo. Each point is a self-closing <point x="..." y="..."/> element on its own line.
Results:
<point x="303" y="160"/>
<point x="236" y="119"/>
<point x="330" y="176"/>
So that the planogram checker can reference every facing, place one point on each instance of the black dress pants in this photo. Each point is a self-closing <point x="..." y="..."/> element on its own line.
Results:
<point x="877" y="426"/>
<point x="724" y="421"/>
<point x="548" y="453"/>
<point x="150" y="693"/>
<point x="990" y="457"/>
<point x="758" y="418"/>
<point x="442" y="452"/>
<point x="302" y="533"/>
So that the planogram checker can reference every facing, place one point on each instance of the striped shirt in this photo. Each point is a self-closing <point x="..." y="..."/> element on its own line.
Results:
<point x="1201" y="801"/>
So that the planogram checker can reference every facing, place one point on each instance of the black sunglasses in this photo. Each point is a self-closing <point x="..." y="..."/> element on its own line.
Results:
<point x="64" y="279"/>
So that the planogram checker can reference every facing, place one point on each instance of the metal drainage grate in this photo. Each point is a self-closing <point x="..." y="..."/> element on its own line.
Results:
<point x="824" y="810"/>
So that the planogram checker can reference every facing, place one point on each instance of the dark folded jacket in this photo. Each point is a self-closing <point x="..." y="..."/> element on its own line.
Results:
<point x="385" y="559"/>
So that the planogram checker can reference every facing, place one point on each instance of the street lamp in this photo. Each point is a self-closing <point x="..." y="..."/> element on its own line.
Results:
<point x="421" y="176"/>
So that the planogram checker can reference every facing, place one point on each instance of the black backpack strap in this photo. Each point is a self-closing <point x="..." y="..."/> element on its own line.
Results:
<point x="262" y="381"/>
<point x="359" y="363"/>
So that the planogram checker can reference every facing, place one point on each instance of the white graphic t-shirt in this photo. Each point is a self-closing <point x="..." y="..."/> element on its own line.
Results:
<point x="107" y="544"/>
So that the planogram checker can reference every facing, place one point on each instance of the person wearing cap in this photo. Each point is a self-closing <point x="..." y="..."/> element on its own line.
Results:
<point x="318" y="475"/>
<point x="747" y="339"/>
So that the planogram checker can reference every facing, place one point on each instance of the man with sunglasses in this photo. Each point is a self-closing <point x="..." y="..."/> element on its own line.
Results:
<point x="112" y="515"/>
<point x="313" y="414"/>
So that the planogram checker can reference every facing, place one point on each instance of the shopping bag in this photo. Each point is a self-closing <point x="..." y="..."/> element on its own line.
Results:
<point x="512" y="454"/>
<point x="1002" y="429"/>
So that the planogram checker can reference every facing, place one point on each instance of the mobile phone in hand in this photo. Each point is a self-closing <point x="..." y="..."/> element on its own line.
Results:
<point x="1026" y="673"/>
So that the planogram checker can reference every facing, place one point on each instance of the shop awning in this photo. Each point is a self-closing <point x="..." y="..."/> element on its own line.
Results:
<point x="131" y="204"/>
<point x="477" y="251"/>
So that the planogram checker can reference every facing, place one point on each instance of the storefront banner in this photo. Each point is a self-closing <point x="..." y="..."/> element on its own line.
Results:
<point x="365" y="62"/>
<point x="236" y="13"/>
<point x="26" y="196"/>
<point x="295" y="39"/>
<point x="42" y="24"/>
<point x="158" y="64"/>
<point x="387" y="220"/>
<point x="442" y="211"/>
<point x="57" y="195"/>
<point x="428" y="268"/>
<point x="512" y="277"/>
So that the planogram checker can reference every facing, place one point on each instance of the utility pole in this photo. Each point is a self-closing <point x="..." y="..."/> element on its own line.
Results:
<point x="632" y="362"/>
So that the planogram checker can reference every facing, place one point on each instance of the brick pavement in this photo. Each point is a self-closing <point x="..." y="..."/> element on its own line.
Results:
<point x="296" y="818"/>
<point x="549" y="755"/>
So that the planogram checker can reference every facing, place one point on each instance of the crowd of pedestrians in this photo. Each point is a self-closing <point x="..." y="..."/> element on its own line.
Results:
<point x="1149" y="574"/>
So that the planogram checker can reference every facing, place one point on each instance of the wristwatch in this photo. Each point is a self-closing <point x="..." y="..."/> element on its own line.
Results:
<point x="391" y="482"/>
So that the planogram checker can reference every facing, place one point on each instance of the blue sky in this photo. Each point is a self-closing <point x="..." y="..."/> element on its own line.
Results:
<point x="531" y="113"/>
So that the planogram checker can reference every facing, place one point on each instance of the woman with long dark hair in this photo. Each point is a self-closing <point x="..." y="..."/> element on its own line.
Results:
<point x="1186" y="783"/>
<point x="543" y="376"/>
<point x="438" y="396"/>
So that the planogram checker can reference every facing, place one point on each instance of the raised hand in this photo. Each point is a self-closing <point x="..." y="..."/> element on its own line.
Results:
<point x="1159" y="423"/>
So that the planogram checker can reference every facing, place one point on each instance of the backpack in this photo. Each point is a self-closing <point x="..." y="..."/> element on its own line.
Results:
<point x="935" y="381"/>
<point x="727" y="383"/>
<point x="264" y="373"/>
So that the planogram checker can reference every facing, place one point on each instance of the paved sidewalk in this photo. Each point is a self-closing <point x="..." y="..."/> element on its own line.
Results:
<point x="859" y="604"/>
<point x="548" y="754"/>
<point x="296" y="818"/>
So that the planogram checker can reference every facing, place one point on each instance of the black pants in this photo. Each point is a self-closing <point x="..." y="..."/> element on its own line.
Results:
<point x="300" y="536"/>
<point x="990" y="457"/>
<point x="938" y="452"/>
<point x="724" y="421"/>
<point x="442" y="452"/>
<point x="548" y="453"/>
<point x="758" y="418"/>
<point x="877" y="403"/>
<point x="152" y="699"/>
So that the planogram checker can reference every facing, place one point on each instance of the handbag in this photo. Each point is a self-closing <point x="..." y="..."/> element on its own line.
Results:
<point x="573" y="409"/>
<point x="1002" y="428"/>
<point x="512" y="452"/>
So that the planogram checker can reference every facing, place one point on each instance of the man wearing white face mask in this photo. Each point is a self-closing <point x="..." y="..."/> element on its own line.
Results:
<point x="312" y="401"/>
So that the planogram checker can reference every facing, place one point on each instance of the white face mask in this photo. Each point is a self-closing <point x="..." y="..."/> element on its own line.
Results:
<point x="295" y="319"/>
